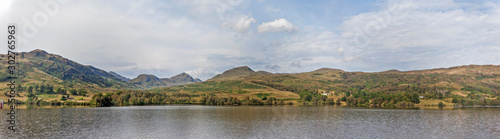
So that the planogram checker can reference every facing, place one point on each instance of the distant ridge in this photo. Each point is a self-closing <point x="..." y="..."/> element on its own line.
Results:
<point x="38" y="62"/>
<point x="465" y="69"/>
<point x="40" y="66"/>
<point x="150" y="81"/>
<point x="183" y="78"/>
<point x="264" y="72"/>
<point x="244" y="71"/>
<point x="328" y="70"/>
<point x="391" y="71"/>
<point x="147" y="81"/>
<point x="238" y="72"/>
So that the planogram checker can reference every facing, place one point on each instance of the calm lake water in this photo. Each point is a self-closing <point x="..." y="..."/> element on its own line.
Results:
<point x="252" y="122"/>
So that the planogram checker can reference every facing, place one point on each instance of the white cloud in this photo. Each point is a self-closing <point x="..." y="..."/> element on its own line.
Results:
<point x="424" y="34"/>
<point x="202" y="73"/>
<point x="169" y="37"/>
<point x="163" y="44"/>
<point x="240" y="25"/>
<point x="277" y="25"/>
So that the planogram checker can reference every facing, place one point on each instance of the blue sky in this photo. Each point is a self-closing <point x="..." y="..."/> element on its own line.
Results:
<point x="207" y="37"/>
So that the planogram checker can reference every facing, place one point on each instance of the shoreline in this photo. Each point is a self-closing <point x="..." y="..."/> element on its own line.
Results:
<point x="29" y="106"/>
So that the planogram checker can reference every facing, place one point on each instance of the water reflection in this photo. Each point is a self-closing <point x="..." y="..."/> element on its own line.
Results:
<point x="254" y="122"/>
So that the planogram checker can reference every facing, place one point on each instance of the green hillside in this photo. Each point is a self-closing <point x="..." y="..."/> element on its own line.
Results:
<point x="463" y="85"/>
<point x="49" y="77"/>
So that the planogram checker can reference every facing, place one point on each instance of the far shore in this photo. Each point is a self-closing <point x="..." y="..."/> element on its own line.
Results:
<point x="417" y="107"/>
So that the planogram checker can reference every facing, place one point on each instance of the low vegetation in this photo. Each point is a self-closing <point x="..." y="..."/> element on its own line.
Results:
<point x="50" y="79"/>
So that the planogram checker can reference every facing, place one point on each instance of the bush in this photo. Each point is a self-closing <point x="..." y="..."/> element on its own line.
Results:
<point x="330" y="101"/>
<point x="441" y="104"/>
<point x="73" y="92"/>
<point x="343" y="98"/>
<point x="82" y="92"/>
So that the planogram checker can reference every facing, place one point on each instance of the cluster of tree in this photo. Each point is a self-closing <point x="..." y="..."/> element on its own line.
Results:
<point x="49" y="89"/>
<point x="41" y="89"/>
<point x="390" y="93"/>
<point x="52" y="102"/>
<point x="381" y="98"/>
<point x="32" y="91"/>
<point x="398" y="83"/>
<point x="355" y="101"/>
<point x="311" y="95"/>
<point x="330" y="101"/>
<point x="214" y="100"/>
<point x="409" y="99"/>
<point x="476" y="102"/>
<point x="136" y="97"/>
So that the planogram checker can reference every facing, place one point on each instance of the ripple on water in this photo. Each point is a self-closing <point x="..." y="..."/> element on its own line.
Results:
<point x="254" y="122"/>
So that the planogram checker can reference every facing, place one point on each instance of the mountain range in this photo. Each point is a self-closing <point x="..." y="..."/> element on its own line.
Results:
<point x="150" y="81"/>
<point x="40" y="67"/>
<point x="478" y="82"/>
<point x="238" y="72"/>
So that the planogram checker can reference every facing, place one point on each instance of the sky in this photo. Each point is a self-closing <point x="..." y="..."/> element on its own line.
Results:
<point x="206" y="37"/>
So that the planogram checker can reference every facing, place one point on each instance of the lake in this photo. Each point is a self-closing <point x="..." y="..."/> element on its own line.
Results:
<point x="191" y="121"/>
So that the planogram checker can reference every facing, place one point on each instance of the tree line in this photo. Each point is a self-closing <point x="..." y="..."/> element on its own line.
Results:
<point x="137" y="97"/>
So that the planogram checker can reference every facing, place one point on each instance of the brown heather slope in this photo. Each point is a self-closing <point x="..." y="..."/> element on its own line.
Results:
<point x="460" y="81"/>
<point x="462" y="70"/>
<point x="41" y="68"/>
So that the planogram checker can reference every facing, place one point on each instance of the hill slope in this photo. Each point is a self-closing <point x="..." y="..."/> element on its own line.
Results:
<point x="125" y="79"/>
<point x="479" y="83"/>
<point x="471" y="82"/>
<point x="150" y="81"/>
<point x="147" y="81"/>
<point x="39" y="66"/>
<point x="238" y="73"/>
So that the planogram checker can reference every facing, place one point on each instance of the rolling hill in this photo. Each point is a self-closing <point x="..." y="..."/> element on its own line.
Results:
<point x="41" y="68"/>
<point x="470" y="82"/>
<point x="475" y="84"/>
<point x="150" y="81"/>
<point x="238" y="73"/>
